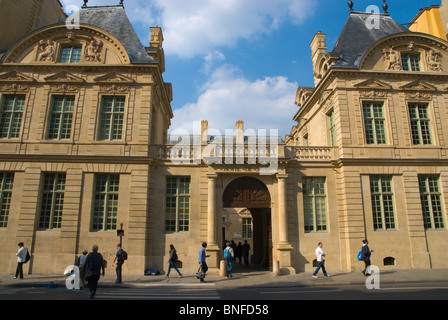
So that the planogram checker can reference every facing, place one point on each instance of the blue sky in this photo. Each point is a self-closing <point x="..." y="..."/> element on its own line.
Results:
<point x="232" y="60"/>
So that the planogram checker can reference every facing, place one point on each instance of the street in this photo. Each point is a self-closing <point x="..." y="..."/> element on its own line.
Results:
<point x="212" y="292"/>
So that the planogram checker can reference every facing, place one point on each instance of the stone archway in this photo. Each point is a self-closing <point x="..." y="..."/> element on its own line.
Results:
<point x="252" y="194"/>
<point x="246" y="192"/>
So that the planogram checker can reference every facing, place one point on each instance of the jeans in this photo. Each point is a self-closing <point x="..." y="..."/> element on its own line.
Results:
<point x="19" y="270"/>
<point x="118" y="270"/>
<point x="172" y="264"/>
<point x="321" y="264"/>
<point x="229" y="263"/>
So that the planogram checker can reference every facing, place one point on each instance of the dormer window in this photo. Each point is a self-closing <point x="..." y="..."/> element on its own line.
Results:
<point x="70" y="54"/>
<point x="410" y="61"/>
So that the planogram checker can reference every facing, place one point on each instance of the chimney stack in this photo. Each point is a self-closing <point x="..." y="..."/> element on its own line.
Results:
<point x="240" y="132"/>
<point x="204" y="129"/>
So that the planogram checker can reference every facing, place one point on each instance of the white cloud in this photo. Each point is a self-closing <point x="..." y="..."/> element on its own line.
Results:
<point x="227" y="97"/>
<point x="196" y="27"/>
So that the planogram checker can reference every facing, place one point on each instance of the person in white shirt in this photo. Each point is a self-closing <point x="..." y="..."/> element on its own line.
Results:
<point x="21" y="256"/>
<point x="320" y="261"/>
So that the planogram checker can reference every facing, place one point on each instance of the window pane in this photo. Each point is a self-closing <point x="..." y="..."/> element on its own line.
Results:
<point x="106" y="202"/>
<point x="314" y="204"/>
<point x="11" y="116"/>
<point x="111" y="118"/>
<point x="6" y="183"/>
<point x="382" y="202"/>
<point x="52" y="201"/>
<point x="177" y="204"/>
<point x="430" y="196"/>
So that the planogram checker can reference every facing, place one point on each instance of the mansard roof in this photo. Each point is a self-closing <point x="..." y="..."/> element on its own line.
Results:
<point x="356" y="37"/>
<point x="114" y="20"/>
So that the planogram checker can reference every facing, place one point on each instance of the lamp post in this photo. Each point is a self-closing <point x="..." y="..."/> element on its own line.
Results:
<point x="120" y="233"/>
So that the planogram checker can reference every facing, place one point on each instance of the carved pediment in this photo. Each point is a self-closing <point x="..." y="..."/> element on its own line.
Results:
<point x="114" y="77"/>
<point x="14" y="76"/>
<point x="418" y="86"/>
<point x="64" y="76"/>
<point x="373" y="84"/>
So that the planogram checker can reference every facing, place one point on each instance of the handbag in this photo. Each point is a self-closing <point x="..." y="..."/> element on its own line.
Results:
<point x="200" y="274"/>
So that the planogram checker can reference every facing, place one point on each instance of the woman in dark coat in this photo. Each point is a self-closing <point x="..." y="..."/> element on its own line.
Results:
<point x="94" y="266"/>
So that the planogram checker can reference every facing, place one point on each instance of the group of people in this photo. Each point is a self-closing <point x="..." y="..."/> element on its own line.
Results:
<point x="365" y="256"/>
<point x="91" y="266"/>
<point x="230" y="254"/>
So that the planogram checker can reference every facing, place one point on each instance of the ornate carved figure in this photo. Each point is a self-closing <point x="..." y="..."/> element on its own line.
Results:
<point x="392" y="58"/>
<point x="93" y="51"/>
<point x="434" y="60"/>
<point x="46" y="51"/>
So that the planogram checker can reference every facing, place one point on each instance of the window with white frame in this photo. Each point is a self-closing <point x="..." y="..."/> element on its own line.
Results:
<point x="247" y="228"/>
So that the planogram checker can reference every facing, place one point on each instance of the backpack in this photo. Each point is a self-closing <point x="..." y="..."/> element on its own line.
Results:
<point x="360" y="255"/>
<point x="227" y="254"/>
<point x="124" y="255"/>
<point x="28" y="257"/>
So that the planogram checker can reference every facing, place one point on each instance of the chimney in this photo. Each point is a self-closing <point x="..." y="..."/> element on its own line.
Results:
<point x="318" y="49"/>
<point x="156" y="38"/>
<point x="204" y="127"/>
<point x="240" y="132"/>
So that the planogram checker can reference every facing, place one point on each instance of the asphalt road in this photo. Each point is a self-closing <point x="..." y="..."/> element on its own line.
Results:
<point x="402" y="291"/>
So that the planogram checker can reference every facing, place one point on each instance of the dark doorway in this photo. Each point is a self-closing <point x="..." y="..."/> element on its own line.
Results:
<point x="262" y="237"/>
<point x="251" y="193"/>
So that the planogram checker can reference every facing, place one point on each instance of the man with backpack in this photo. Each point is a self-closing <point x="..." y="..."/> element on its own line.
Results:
<point x="23" y="256"/>
<point x="120" y="257"/>
<point x="228" y="257"/>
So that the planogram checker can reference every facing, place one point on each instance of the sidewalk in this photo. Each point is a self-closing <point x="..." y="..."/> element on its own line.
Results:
<point x="241" y="279"/>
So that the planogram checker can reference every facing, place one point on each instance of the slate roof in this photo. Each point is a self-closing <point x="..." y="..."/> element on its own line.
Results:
<point x="113" y="19"/>
<point x="356" y="38"/>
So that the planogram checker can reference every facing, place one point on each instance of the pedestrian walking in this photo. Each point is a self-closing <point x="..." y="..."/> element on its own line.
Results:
<point x="239" y="252"/>
<point x="366" y="253"/>
<point x="202" y="256"/>
<point x="172" y="261"/>
<point x="320" y="261"/>
<point x="82" y="267"/>
<point x="94" y="268"/>
<point x="21" y="259"/>
<point x="228" y="257"/>
<point x="246" y="249"/>
<point x="119" y="258"/>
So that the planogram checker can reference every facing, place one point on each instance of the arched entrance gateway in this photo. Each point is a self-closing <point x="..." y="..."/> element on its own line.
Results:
<point x="251" y="197"/>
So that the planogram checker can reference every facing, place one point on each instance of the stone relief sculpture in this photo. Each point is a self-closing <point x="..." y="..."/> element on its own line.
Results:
<point x="434" y="60"/>
<point x="393" y="59"/>
<point x="93" y="50"/>
<point x="46" y="51"/>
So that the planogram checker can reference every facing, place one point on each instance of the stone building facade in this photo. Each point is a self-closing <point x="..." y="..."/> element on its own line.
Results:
<point x="84" y="143"/>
